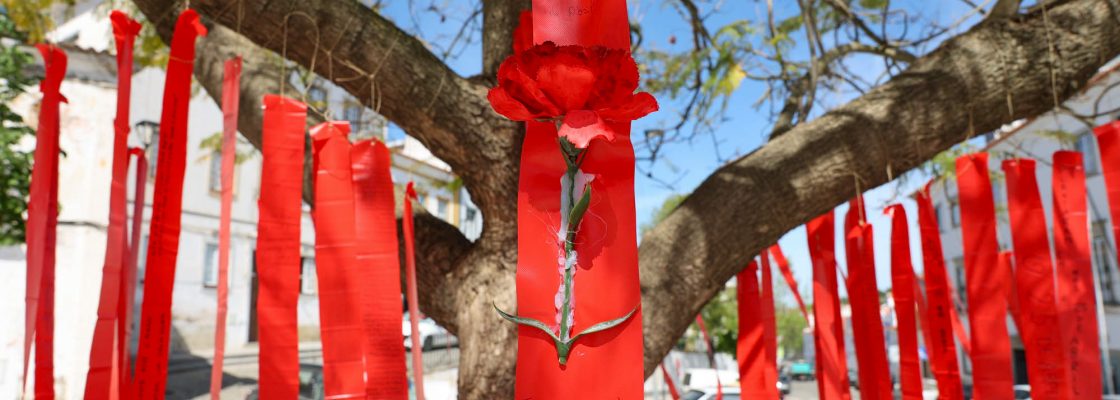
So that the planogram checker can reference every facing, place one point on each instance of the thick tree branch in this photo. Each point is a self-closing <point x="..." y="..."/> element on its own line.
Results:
<point x="499" y="19"/>
<point x="926" y="109"/>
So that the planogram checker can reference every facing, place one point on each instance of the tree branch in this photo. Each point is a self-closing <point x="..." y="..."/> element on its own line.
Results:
<point x="689" y="257"/>
<point x="499" y="19"/>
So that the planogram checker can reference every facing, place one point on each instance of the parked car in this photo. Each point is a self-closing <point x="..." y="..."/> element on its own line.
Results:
<point x="802" y="370"/>
<point x="432" y="336"/>
<point x="706" y="378"/>
<point x="784" y="385"/>
<point x="729" y="393"/>
<point x="1022" y="392"/>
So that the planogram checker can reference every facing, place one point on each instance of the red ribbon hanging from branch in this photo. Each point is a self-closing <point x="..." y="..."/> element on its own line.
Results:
<point x="783" y="265"/>
<point x="903" y="285"/>
<point x="103" y="376"/>
<point x="1047" y="364"/>
<point x="711" y="351"/>
<point x="673" y="394"/>
<point x="378" y="264"/>
<point x="278" y="245"/>
<point x="163" y="246"/>
<point x="828" y="331"/>
<point x="1108" y="143"/>
<point x="411" y="295"/>
<point x="863" y="295"/>
<point x="943" y="352"/>
<point x="128" y="277"/>
<point x="339" y="302"/>
<point x="231" y="103"/>
<point x="1076" y="296"/>
<point x="987" y="308"/>
<point x="769" y="329"/>
<point x="750" y="349"/>
<point x="605" y="364"/>
<point x="42" y="220"/>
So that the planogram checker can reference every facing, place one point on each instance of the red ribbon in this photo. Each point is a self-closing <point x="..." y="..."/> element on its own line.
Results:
<point x="863" y="294"/>
<point x="1047" y="366"/>
<point x="42" y="220"/>
<point x="673" y="394"/>
<point x="1076" y="298"/>
<point x="708" y="344"/>
<point x="783" y="265"/>
<point x="939" y="314"/>
<point x="750" y="349"/>
<point x="606" y="364"/>
<point x="411" y="295"/>
<point x="903" y="284"/>
<point x="378" y="262"/>
<point x="231" y="102"/>
<point x="128" y="277"/>
<point x="828" y="331"/>
<point x="987" y="313"/>
<point x="278" y="245"/>
<point x="103" y="376"/>
<point x="339" y="306"/>
<point x="1108" y="143"/>
<point x="769" y="329"/>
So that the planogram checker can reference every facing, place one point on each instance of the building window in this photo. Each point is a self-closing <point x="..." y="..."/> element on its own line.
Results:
<point x="308" y="281"/>
<point x="1102" y="260"/>
<point x="443" y="208"/>
<point x="210" y="266"/>
<point x="355" y="114"/>
<point x="955" y="213"/>
<point x="962" y="290"/>
<point x="471" y="214"/>
<point x="216" y="172"/>
<point x="1086" y="144"/>
<point x="317" y="97"/>
<point x="937" y="217"/>
<point x="148" y="133"/>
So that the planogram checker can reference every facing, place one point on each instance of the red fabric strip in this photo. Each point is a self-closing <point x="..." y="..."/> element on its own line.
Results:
<point x="278" y="245"/>
<point x="163" y="245"/>
<point x="606" y="364"/>
<point x="103" y="376"/>
<point x="1108" y="143"/>
<point x="923" y="318"/>
<point x="1006" y="267"/>
<point x="863" y="295"/>
<point x="902" y="290"/>
<point x="987" y="313"/>
<point x="128" y="277"/>
<point x="339" y="305"/>
<point x="769" y="329"/>
<point x="943" y="352"/>
<point x="411" y="295"/>
<point x="828" y="331"/>
<point x="378" y="262"/>
<point x="673" y="394"/>
<point x="783" y="266"/>
<point x="955" y="320"/>
<point x="231" y="102"/>
<point x="1047" y="366"/>
<point x="42" y="220"/>
<point x="712" y="351"/>
<point x="750" y="349"/>
<point x="1076" y="298"/>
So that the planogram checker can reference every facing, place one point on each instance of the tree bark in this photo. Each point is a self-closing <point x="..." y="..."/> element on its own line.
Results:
<point x="999" y="71"/>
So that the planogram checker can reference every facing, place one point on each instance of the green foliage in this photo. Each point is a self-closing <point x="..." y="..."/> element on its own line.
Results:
<point x="721" y="316"/>
<point x="213" y="145"/>
<point x="790" y="324"/>
<point x="15" y="164"/>
<point x="667" y="207"/>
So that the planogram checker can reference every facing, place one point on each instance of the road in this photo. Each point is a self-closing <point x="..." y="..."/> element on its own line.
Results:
<point x="807" y="390"/>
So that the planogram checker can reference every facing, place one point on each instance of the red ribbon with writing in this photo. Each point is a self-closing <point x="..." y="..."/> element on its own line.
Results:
<point x="339" y="306"/>
<point x="940" y="308"/>
<point x="769" y="328"/>
<point x="103" y="377"/>
<point x="378" y="264"/>
<point x="231" y="103"/>
<point x="828" y="329"/>
<point x="902" y="290"/>
<point x="1076" y="299"/>
<point x="410" y="292"/>
<point x="278" y="245"/>
<point x="606" y="364"/>
<point x="987" y="308"/>
<point x="1047" y="366"/>
<point x="863" y="294"/>
<point x="750" y="348"/>
<point x="128" y="276"/>
<point x="783" y="266"/>
<point x="42" y="221"/>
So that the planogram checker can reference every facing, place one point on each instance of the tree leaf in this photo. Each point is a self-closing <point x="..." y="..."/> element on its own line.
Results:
<point x="528" y="322"/>
<point x="602" y="326"/>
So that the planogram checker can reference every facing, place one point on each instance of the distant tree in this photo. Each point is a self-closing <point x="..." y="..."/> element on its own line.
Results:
<point x="15" y="161"/>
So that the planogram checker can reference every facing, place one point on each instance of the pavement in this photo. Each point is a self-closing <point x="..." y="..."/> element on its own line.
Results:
<point x="807" y="390"/>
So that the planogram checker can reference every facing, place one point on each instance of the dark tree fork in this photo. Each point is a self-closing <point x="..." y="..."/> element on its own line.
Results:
<point x="1005" y="68"/>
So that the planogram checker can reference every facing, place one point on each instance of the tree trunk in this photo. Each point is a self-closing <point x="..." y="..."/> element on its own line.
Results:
<point x="999" y="71"/>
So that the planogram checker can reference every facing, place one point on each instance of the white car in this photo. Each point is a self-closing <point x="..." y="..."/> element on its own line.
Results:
<point x="729" y="393"/>
<point x="432" y="336"/>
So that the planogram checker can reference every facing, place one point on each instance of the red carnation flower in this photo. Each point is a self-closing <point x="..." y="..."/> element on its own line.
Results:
<point x="581" y="87"/>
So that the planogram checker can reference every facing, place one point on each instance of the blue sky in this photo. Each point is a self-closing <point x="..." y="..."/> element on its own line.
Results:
<point x="743" y="129"/>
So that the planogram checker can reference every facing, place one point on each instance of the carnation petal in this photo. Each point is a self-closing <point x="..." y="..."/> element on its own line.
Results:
<point x="637" y="106"/>
<point x="507" y="106"/>
<point x="581" y="127"/>
<point x="567" y="81"/>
